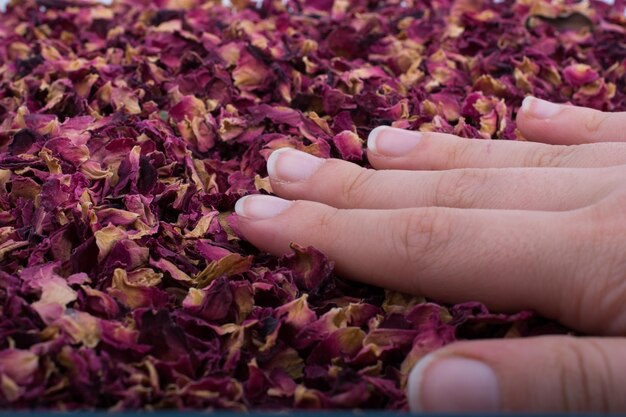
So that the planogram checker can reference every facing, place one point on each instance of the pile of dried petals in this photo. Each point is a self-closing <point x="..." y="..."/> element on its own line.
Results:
<point x="128" y="131"/>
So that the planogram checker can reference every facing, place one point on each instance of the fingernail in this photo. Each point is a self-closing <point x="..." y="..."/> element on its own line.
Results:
<point x="538" y="108"/>
<point x="287" y="164"/>
<point x="389" y="141"/>
<point x="452" y="384"/>
<point x="260" y="207"/>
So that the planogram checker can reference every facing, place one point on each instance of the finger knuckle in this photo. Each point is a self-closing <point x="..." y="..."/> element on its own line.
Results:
<point x="457" y="153"/>
<point x="550" y="156"/>
<point x="460" y="188"/>
<point x="421" y="237"/>
<point x="597" y="288"/>
<point x="609" y="212"/>
<point x="604" y="296"/>
<point x="605" y="378"/>
<point x="606" y="238"/>
<point x="326" y="222"/>
<point x="356" y="188"/>
<point x="586" y="376"/>
<point x="594" y="125"/>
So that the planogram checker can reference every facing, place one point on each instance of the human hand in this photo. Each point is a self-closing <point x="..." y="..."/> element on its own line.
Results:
<point x="515" y="225"/>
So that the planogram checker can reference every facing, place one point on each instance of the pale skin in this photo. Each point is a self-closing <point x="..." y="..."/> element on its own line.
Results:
<point x="535" y="225"/>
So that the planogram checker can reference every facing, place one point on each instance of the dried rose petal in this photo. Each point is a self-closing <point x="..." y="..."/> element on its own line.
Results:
<point x="128" y="131"/>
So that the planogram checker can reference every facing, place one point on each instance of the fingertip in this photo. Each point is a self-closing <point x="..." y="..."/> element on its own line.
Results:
<point x="392" y="142"/>
<point x="373" y="137"/>
<point x="239" y="205"/>
<point x="273" y="160"/>
<point x="539" y="109"/>
<point x="526" y="104"/>
<point x="453" y="383"/>
<point x="538" y="120"/>
<point x="261" y="207"/>
<point x="414" y="383"/>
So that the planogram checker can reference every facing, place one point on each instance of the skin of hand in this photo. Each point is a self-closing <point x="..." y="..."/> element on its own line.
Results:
<point x="516" y="225"/>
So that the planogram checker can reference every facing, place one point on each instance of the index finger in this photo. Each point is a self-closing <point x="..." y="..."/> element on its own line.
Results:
<point x="506" y="259"/>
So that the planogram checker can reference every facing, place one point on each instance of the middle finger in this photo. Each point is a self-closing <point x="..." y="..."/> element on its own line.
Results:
<point x="341" y="184"/>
